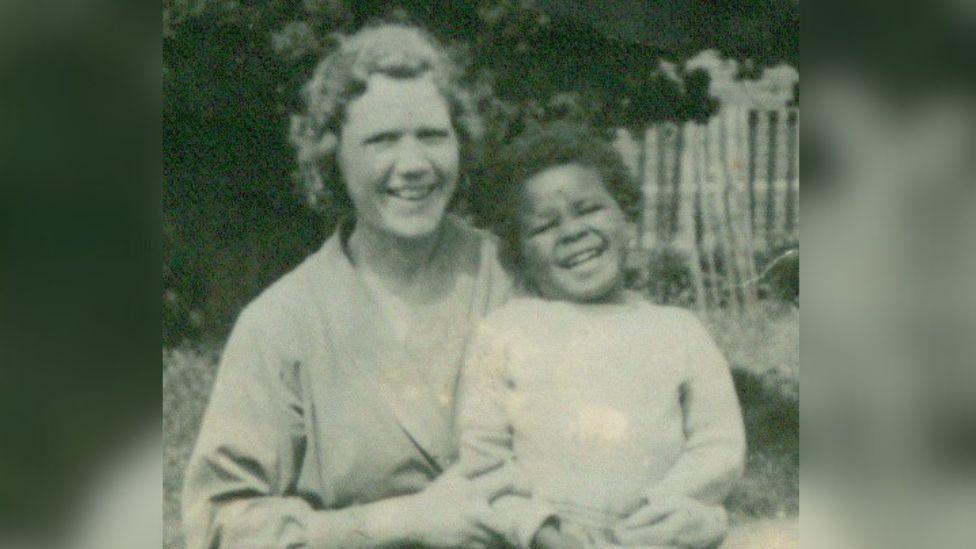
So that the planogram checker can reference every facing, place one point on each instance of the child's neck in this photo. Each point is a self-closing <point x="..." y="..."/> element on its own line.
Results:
<point x="615" y="297"/>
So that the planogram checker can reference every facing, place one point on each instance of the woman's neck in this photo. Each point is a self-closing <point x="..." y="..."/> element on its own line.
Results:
<point x="396" y="261"/>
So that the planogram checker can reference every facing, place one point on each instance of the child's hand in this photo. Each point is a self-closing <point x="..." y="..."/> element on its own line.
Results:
<point x="673" y="520"/>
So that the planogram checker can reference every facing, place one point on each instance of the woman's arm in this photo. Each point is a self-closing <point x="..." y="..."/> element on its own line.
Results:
<point x="247" y="458"/>
<point x="249" y="449"/>
<point x="240" y="480"/>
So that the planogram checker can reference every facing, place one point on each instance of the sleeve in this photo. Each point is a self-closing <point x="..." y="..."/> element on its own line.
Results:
<point x="714" y="453"/>
<point x="486" y="433"/>
<point x="248" y="451"/>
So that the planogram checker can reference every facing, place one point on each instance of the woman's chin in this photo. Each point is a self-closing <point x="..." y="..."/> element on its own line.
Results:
<point x="414" y="229"/>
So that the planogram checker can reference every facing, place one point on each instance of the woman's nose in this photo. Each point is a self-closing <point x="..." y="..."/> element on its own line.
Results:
<point x="411" y="159"/>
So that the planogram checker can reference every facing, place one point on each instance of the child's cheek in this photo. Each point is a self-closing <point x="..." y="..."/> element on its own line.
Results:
<point x="537" y="256"/>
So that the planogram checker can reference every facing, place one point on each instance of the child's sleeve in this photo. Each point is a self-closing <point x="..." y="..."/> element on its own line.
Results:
<point x="714" y="453"/>
<point x="486" y="432"/>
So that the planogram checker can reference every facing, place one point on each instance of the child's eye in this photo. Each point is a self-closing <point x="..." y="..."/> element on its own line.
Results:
<point x="589" y="208"/>
<point x="383" y="138"/>
<point x="433" y="135"/>
<point x="540" y="228"/>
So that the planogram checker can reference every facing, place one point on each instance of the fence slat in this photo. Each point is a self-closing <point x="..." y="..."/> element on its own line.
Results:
<point x="792" y="175"/>
<point x="729" y="192"/>
<point x="761" y="183"/>
<point x="772" y="130"/>
<point x="650" y="182"/>
<point x="733" y="200"/>
<point x="668" y="167"/>
<point x="720" y="191"/>
<point x="710" y="238"/>
<point x="742" y="148"/>
<point x="752" y="144"/>
<point x="687" y="239"/>
<point x="781" y="182"/>
<point x="673" y="225"/>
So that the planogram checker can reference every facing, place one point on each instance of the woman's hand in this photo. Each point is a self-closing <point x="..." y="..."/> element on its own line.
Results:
<point x="455" y="511"/>
<point x="673" y="520"/>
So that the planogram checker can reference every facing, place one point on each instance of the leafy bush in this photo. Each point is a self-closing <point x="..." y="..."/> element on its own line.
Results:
<point x="779" y="270"/>
<point x="669" y="279"/>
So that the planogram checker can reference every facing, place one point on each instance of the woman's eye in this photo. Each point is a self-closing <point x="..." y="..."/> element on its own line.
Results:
<point x="432" y="135"/>
<point x="384" y="138"/>
<point x="589" y="208"/>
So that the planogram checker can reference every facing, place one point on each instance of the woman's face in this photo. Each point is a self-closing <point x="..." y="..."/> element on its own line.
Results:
<point x="398" y="156"/>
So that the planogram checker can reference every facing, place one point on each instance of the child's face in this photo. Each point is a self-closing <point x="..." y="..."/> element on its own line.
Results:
<point x="573" y="235"/>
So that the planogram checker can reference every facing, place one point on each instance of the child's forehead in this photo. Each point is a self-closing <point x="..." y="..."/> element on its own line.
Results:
<point x="563" y="182"/>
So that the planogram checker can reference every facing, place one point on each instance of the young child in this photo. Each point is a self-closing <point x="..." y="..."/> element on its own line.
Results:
<point x="620" y="415"/>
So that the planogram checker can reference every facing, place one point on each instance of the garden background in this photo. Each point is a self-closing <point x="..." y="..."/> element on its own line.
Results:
<point x="233" y="220"/>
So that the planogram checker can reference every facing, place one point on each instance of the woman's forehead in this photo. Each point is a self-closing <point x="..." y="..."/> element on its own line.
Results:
<point x="389" y="102"/>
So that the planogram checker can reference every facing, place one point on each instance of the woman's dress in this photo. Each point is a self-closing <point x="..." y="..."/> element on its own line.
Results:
<point x="318" y="405"/>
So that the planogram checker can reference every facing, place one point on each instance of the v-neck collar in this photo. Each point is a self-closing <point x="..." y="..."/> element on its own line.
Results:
<point x="416" y="376"/>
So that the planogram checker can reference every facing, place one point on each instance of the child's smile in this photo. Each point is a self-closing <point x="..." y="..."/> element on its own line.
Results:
<point x="573" y="235"/>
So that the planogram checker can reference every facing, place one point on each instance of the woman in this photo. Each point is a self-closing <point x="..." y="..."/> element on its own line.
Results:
<point x="330" y="423"/>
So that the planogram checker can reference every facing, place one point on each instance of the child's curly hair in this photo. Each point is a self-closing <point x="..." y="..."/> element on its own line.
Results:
<point x="396" y="49"/>
<point x="496" y="199"/>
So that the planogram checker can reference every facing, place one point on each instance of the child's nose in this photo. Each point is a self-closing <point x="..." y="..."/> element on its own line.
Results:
<point x="572" y="230"/>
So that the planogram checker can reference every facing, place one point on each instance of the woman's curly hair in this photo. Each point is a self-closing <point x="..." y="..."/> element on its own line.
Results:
<point x="497" y="198"/>
<point x="397" y="50"/>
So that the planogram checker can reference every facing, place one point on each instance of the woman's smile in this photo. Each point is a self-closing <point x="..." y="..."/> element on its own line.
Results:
<point x="413" y="193"/>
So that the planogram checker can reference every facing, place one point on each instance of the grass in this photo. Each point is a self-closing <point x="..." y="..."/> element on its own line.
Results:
<point x="188" y="375"/>
<point x="763" y="351"/>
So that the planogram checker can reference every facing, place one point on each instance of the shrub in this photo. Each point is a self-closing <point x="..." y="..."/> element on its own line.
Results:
<point x="669" y="277"/>
<point x="779" y="270"/>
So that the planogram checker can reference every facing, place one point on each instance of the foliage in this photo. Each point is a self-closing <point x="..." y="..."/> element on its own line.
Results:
<point x="668" y="278"/>
<point x="781" y="271"/>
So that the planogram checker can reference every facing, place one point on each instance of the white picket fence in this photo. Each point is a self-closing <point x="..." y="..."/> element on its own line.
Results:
<point x="718" y="193"/>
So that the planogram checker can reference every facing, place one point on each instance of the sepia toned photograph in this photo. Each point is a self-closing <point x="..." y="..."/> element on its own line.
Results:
<point x="500" y="273"/>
